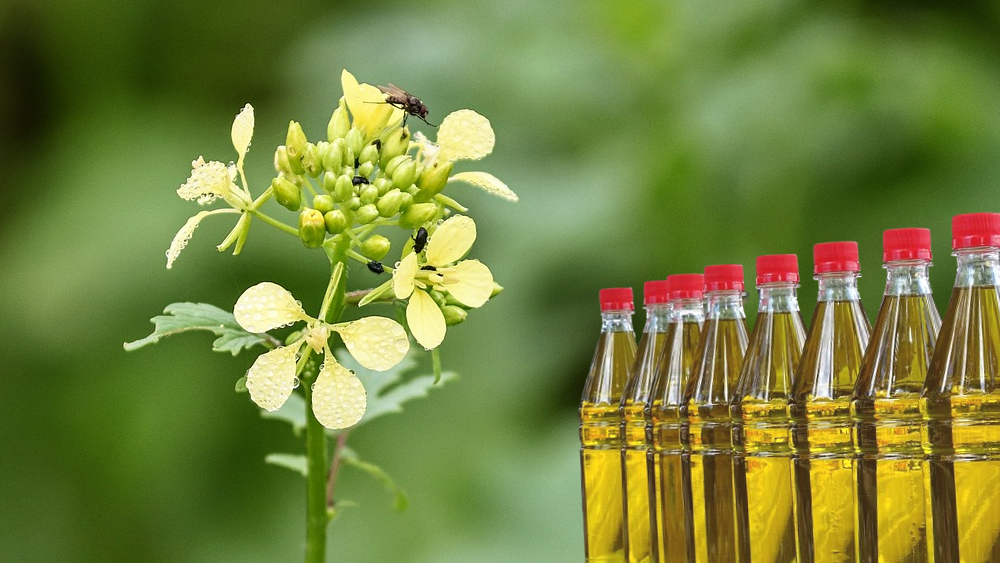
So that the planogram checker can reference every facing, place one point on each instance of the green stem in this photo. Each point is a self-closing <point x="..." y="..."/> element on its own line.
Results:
<point x="275" y="223"/>
<point x="316" y="512"/>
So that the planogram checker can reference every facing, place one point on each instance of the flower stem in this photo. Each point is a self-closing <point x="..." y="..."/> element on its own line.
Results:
<point x="316" y="512"/>
<point x="275" y="223"/>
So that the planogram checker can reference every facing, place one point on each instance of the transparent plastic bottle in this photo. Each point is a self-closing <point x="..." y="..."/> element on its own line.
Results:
<point x="713" y="382"/>
<point x="960" y="403"/>
<point x="888" y="478"/>
<point x="762" y="455"/>
<point x="670" y="471"/>
<point x="639" y="546"/>
<point x="820" y="410"/>
<point x="600" y="430"/>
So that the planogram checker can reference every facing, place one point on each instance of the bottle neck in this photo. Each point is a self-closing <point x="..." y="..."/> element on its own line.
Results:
<point x="687" y="310"/>
<point x="725" y="304"/>
<point x="778" y="298"/>
<point x="657" y="317"/>
<point x="616" y="321"/>
<point x="907" y="277"/>
<point x="977" y="266"/>
<point x="838" y="286"/>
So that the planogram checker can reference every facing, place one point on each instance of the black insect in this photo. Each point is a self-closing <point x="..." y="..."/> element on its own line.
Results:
<point x="375" y="267"/>
<point x="358" y="180"/>
<point x="420" y="240"/>
<point x="397" y="97"/>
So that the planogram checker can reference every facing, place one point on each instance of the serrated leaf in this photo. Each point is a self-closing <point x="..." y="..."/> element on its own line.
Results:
<point x="184" y="317"/>
<point x="293" y="412"/>
<point x="294" y="462"/>
<point x="400" y="500"/>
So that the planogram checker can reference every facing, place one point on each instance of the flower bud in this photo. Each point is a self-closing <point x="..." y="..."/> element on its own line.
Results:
<point x="368" y="194"/>
<point x="417" y="214"/>
<point x="295" y="145"/>
<point x="369" y="154"/>
<point x="383" y="184"/>
<point x="312" y="228"/>
<point x="366" y="169"/>
<point x="497" y="288"/>
<point x="281" y="160"/>
<point x="353" y="203"/>
<point x="366" y="214"/>
<point x="312" y="160"/>
<point x="388" y="204"/>
<point x="405" y="200"/>
<point x="343" y="189"/>
<point x="355" y="141"/>
<point x="334" y="157"/>
<point x="375" y="247"/>
<point x="433" y="179"/>
<point x="287" y="194"/>
<point x="390" y="166"/>
<point x="335" y="221"/>
<point x="323" y="203"/>
<point x="339" y="124"/>
<point x="454" y="314"/>
<point x="394" y="144"/>
<point x="404" y="174"/>
<point x="329" y="181"/>
<point x="438" y="298"/>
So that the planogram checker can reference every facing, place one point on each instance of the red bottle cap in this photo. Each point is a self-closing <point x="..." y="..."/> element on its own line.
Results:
<point x="616" y="299"/>
<point x="724" y="276"/>
<point x="975" y="229"/>
<point x="686" y="286"/>
<point x="655" y="292"/>
<point x="836" y="257"/>
<point x="906" y="244"/>
<point x="777" y="268"/>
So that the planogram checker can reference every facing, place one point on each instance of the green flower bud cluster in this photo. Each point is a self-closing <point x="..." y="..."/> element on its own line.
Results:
<point x="355" y="183"/>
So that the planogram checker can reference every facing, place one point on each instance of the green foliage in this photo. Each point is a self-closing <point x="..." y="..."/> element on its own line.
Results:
<point x="293" y="412"/>
<point x="400" y="500"/>
<point x="185" y="317"/>
<point x="294" y="462"/>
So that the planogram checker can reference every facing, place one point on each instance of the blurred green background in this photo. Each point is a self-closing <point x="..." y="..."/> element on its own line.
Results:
<point x="644" y="138"/>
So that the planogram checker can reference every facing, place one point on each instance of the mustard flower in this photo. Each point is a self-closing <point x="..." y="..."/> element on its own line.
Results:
<point x="440" y="268"/>
<point x="368" y="107"/>
<point x="338" y="396"/>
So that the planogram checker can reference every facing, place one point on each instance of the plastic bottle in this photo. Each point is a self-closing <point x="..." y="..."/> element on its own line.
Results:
<point x="670" y="471"/>
<point x="960" y="403"/>
<point x="713" y="382"/>
<point x="762" y="454"/>
<point x="639" y="545"/>
<point x="820" y="409"/>
<point x="600" y="429"/>
<point x="888" y="477"/>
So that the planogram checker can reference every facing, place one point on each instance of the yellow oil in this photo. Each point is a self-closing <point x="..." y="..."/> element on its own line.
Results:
<point x="889" y="489"/>
<point x="820" y="410"/>
<point x="671" y="471"/>
<point x="636" y="398"/>
<point x="600" y="439"/>
<point x="713" y="382"/>
<point x="765" y="523"/>
<point x="961" y="408"/>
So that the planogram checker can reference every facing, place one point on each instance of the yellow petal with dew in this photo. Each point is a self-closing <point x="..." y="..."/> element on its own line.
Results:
<point x="208" y="180"/>
<point x="267" y="306"/>
<point x="402" y="276"/>
<point x="339" y="399"/>
<point x="469" y="281"/>
<point x="243" y="132"/>
<point x="425" y="319"/>
<point x="487" y="182"/>
<point x="271" y="378"/>
<point x="377" y="343"/>
<point x="465" y="135"/>
<point x="451" y="240"/>
<point x="183" y="236"/>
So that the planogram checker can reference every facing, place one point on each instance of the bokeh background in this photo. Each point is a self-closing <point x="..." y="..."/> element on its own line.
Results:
<point x="644" y="138"/>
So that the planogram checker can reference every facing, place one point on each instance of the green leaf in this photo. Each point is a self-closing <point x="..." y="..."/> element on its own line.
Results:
<point x="293" y="412"/>
<point x="400" y="500"/>
<point x="184" y="317"/>
<point x="295" y="462"/>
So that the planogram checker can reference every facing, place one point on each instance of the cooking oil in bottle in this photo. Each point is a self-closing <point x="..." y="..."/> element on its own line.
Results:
<point x="713" y="382"/>
<point x="671" y="472"/>
<point x="960" y="403"/>
<point x="600" y="430"/>
<point x="639" y="544"/>
<point x="889" y="494"/>
<point x="762" y="455"/>
<point x="820" y="410"/>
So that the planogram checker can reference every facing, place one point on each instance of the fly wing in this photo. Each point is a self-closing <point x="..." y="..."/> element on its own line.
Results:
<point x="393" y="91"/>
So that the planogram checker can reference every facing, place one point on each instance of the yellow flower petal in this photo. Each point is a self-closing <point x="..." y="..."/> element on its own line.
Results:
<point x="469" y="281"/>
<point x="451" y="240"/>
<point x="339" y="399"/>
<point x="267" y="306"/>
<point x="367" y="106"/>
<point x="402" y="276"/>
<point x="183" y="236"/>
<point x="488" y="182"/>
<point x="465" y="135"/>
<point x="243" y="132"/>
<point x="208" y="180"/>
<point x="425" y="319"/>
<point x="376" y="343"/>
<point x="271" y="378"/>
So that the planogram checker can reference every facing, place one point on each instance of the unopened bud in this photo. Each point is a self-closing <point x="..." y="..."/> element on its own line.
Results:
<point x="312" y="160"/>
<point x="376" y="247"/>
<point x="417" y="214"/>
<point x="391" y="166"/>
<point x="339" y="124"/>
<point x="366" y="168"/>
<point x="366" y="214"/>
<point x="394" y="144"/>
<point x="388" y="204"/>
<point x="453" y="314"/>
<point x="438" y="298"/>
<point x="404" y="174"/>
<point x="335" y="221"/>
<point x="369" y="154"/>
<point x="329" y="181"/>
<point x="312" y="227"/>
<point x="355" y="141"/>
<point x="323" y="203"/>
<point x="281" y="160"/>
<point x="343" y="189"/>
<point x="287" y="194"/>
<point x="383" y="184"/>
<point x="334" y="157"/>
<point x="369" y="194"/>
<point x="405" y="200"/>
<point x="497" y="288"/>
<point x="353" y="203"/>
<point x="295" y="146"/>
<point x="433" y="180"/>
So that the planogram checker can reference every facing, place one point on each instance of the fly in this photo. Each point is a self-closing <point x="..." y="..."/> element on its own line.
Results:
<point x="399" y="98"/>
